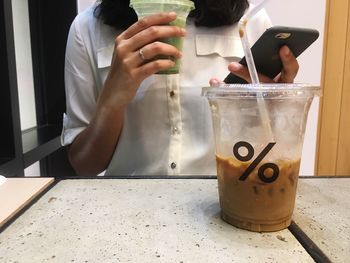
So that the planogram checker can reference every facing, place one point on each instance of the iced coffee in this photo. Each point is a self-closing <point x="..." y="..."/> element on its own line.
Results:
<point x="252" y="203"/>
<point x="259" y="134"/>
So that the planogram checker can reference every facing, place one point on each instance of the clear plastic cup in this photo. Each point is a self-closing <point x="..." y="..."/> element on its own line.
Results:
<point x="257" y="172"/>
<point x="181" y="7"/>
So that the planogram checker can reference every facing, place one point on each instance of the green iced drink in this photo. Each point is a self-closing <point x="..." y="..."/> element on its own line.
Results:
<point x="180" y="7"/>
<point x="178" y="43"/>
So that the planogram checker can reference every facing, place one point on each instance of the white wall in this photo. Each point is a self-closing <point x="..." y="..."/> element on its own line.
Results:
<point x="24" y="63"/>
<point x="300" y="13"/>
<point x="24" y="71"/>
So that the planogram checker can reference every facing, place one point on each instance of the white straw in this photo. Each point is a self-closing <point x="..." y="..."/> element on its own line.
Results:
<point x="251" y="66"/>
<point x="245" y="42"/>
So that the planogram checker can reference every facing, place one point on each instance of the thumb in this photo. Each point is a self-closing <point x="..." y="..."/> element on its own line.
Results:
<point x="290" y="65"/>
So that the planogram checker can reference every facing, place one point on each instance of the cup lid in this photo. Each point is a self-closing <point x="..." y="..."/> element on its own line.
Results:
<point x="267" y="90"/>
<point x="188" y="3"/>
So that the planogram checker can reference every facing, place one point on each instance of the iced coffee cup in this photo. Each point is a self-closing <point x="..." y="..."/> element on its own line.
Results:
<point x="259" y="133"/>
<point x="180" y="7"/>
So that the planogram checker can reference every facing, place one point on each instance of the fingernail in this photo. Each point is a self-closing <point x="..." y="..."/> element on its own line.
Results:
<point x="183" y="31"/>
<point x="214" y="81"/>
<point x="172" y="14"/>
<point x="235" y="66"/>
<point x="286" y="51"/>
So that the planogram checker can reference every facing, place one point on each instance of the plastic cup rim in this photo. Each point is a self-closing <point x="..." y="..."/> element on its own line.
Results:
<point x="227" y="89"/>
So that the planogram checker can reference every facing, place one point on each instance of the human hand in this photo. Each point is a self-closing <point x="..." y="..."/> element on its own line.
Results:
<point x="134" y="51"/>
<point x="287" y="75"/>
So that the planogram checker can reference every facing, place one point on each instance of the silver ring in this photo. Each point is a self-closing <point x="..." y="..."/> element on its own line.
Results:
<point x="142" y="56"/>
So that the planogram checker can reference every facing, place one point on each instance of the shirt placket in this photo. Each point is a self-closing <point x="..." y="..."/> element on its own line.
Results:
<point x="173" y="99"/>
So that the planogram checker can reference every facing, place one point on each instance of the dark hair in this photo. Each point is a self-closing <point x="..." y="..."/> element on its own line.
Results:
<point x="116" y="13"/>
<point x="209" y="13"/>
<point x="213" y="13"/>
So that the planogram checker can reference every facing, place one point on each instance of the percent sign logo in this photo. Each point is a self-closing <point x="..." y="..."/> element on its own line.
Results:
<point x="254" y="164"/>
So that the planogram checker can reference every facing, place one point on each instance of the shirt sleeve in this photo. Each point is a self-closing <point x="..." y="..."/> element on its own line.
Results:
<point x="80" y="84"/>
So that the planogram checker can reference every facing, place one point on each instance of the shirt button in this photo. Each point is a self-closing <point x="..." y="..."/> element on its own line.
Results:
<point x="175" y="130"/>
<point x="172" y="93"/>
<point x="173" y="165"/>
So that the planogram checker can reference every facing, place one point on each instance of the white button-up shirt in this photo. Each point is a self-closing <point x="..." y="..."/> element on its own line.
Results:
<point x="167" y="127"/>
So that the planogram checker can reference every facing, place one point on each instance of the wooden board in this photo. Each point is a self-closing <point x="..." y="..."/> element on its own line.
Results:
<point x="15" y="193"/>
<point x="343" y="164"/>
<point x="333" y="137"/>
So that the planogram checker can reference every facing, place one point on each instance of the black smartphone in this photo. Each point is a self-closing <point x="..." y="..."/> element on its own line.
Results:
<point x="265" y="51"/>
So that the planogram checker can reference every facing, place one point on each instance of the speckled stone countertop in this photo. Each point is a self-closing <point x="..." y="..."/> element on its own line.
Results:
<point x="322" y="210"/>
<point x="144" y="220"/>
